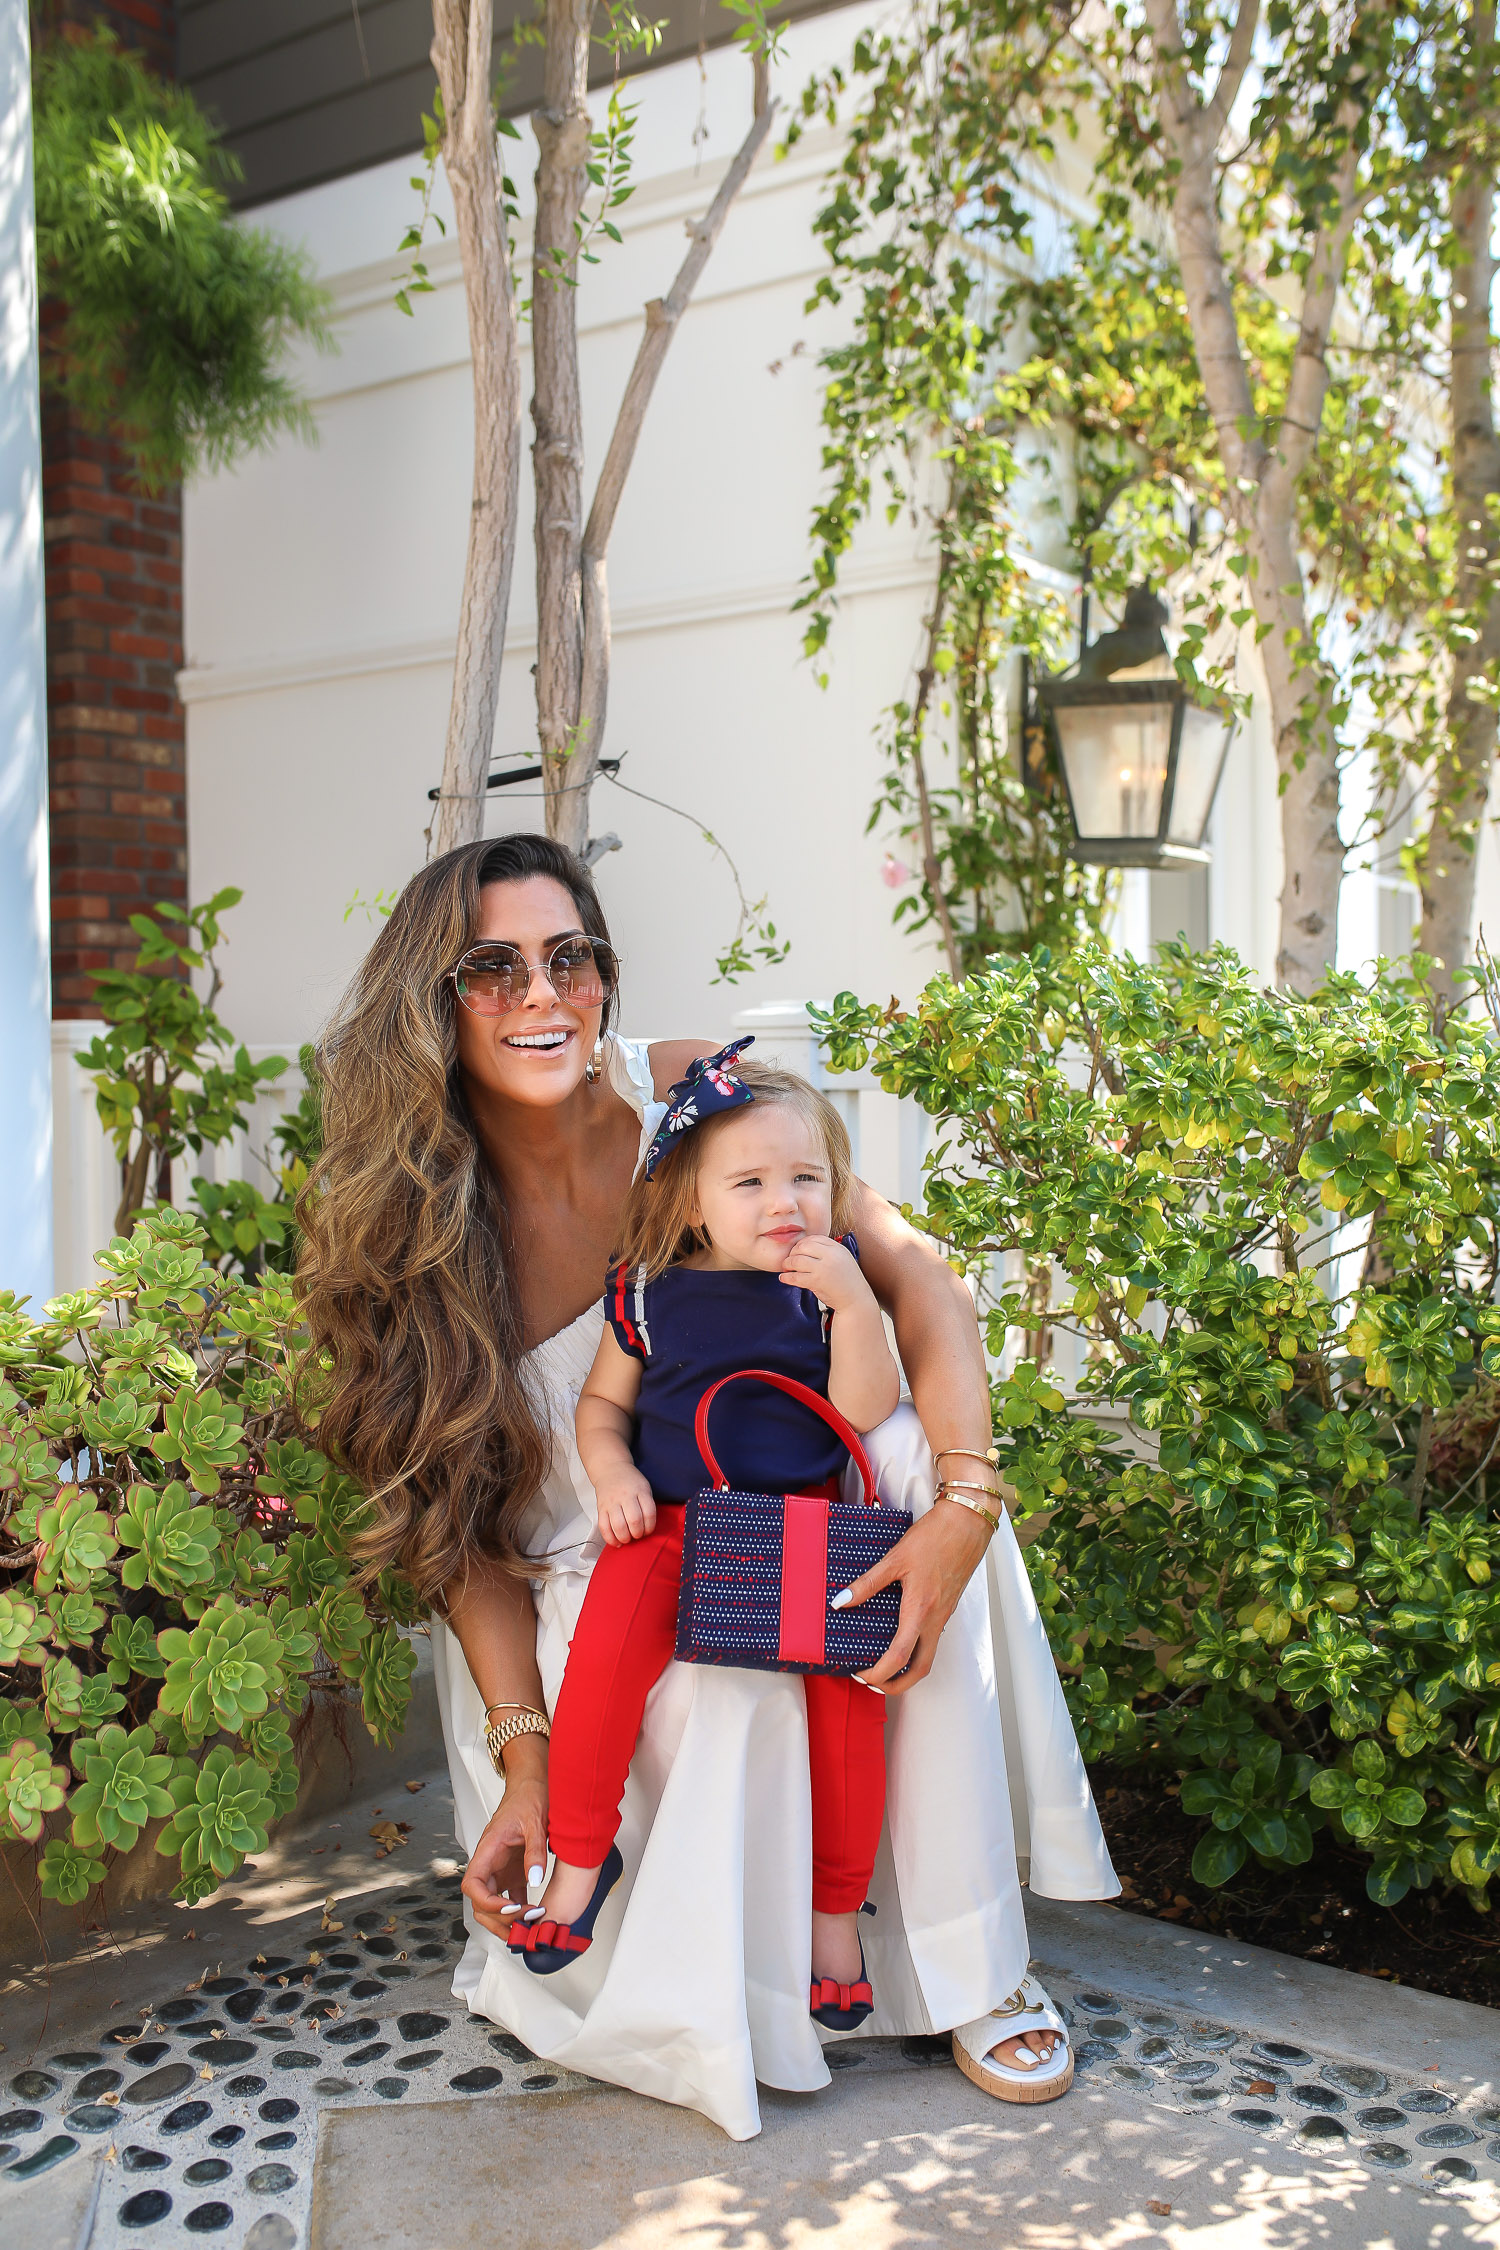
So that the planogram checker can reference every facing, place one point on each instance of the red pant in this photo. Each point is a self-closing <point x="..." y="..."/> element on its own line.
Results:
<point x="623" y="1642"/>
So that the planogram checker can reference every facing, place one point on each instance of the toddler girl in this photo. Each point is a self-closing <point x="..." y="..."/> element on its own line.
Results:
<point x="730" y="1259"/>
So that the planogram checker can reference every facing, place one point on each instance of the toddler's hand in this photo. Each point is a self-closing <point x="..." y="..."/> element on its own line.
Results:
<point x="829" y="1270"/>
<point x="626" y="1509"/>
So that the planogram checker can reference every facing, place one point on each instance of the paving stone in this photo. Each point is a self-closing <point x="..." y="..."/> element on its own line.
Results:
<point x="185" y="2116"/>
<point x="1097" y="2003"/>
<point x="506" y="2043"/>
<point x="209" y="2218"/>
<point x="1382" y="2119"/>
<point x="390" y="2089"/>
<point x="1156" y="2019"/>
<point x="279" y="2110"/>
<point x="207" y="2170"/>
<point x="246" y="2084"/>
<point x="1390" y="2155"/>
<point x="1157" y="2050"/>
<point x="343" y="1960"/>
<point x="273" y="2230"/>
<point x="1425" y="2101"/>
<point x="1452" y="2170"/>
<point x="223" y="2051"/>
<point x="416" y="2024"/>
<point x="1192" y="2073"/>
<point x="391" y="1969"/>
<point x="20" y="2120"/>
<point x="534" y="2085"/>
<point x="96" y="2082"/>
<point x="294" y="2058"/>
<point x="382" y="1947"/>
<point x="1280" y="2050"/>
<point x="1091" y="2051"/>
<point x="145" y="2052"/>
<point x="34" y="2085"/>
<point x="1321" y="2129"/>
<point x="138" y="2159"/>
<point x="76" y="2058"/>
<point x="1356" y="2078"/>
<point x="482" y="2079"/>
<point x="1310" y="2095"/>
<point x="144" y="2208"/>
<point x="180" y="2011"/>
<point x="423" y="2059"/>
<point x="1127" y="2074"/>
<point x="243" y="2005"/>
<point x="92" y="2117"/>
<point x="1448" y="2135"/>
<point x="331" y="2087"/>
<point x="349" y="2034"/>
<point x="1110" y="2027"/>
<point x="277" y="2140"/>
<point x="1260" y="2118"/>
<point x="1210" y="2040"/>
<point x="272" y="1964"/>
<point x="367" y="1988"/>
<point x="217" y="1985"/>
<point x="373" y="2053"/>
<point x="8" y="2149"/>
<point x="159" y="2085"/>
<point x="270" y="2179"/>
<point x="225" y="2136"/>
<point x="275" y="2034"/>
<point x="42" y="2159"/>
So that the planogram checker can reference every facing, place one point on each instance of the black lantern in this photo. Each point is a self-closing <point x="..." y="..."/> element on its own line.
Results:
<point x="1140" y="757"/>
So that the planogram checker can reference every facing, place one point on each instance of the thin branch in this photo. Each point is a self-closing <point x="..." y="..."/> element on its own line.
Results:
<point x="1236" y="63"/>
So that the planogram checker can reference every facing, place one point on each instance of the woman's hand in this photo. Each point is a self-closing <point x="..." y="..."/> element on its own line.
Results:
<point x="513" y="1847"/>
<point x="934" y="1563"/>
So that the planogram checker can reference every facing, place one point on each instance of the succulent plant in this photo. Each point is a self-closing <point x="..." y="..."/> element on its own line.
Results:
<point x="74" y="1618"/>
<point x="269" y="1741"/>
<point x="23" y="1722"/>
<point x="73" y="1699"/>
<point x="343" y="1623"/>
<point x="130" y="1650"/>
<point x="222" y="1673"/>
<point x="30" y="1787"/>
<point x="175" y="1542"/>
<point x="124" y="1786"/>
<point x="387" y="1664"/>
<point x="220" y="1814"/>
<point x="312" y="1567"/>
<point x="204" y="1431"/>
<point x="76" y="1540"/>
<point x="23" y="1631"/>
<point x="119" y="1422"/>
<point x="67" y="1873"/>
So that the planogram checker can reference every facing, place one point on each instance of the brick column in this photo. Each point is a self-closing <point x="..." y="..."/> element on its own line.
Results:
<point x="117" y="735"/>
<point x="116" y="730"/>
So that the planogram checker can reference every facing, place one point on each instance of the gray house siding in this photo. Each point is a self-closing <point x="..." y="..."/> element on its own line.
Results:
<point x="308" y="90"/>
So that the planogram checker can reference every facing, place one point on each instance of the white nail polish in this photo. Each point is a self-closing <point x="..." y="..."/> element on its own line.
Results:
<point x="841" y="1600"/>
<point x="535" y="1874"/>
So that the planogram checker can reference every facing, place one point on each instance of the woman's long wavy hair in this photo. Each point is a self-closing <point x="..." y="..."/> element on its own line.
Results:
<point x="406" y="1275"/>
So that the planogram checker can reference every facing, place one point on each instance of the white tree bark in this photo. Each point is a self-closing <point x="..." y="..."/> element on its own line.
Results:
<point x="462" y="34"/>
<point x="1462" y="782"/>
<point x="1262" y="476"/>
<point x="562" y="129"/>
<point x="582" y="590"/>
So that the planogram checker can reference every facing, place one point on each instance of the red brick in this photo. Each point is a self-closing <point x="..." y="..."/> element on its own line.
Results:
<point x="148" y="645"/>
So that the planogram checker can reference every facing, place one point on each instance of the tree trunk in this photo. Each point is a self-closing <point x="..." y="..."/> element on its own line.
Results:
<point x="1462" y="781"/>
<point x="1262" y="479"/>
<point x="568" y="799"/>
<point x="562" y="129"/>
<point x="462" y="34"/>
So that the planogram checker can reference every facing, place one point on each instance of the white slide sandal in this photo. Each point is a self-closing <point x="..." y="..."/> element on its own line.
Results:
<point x="1028" y="2009"/>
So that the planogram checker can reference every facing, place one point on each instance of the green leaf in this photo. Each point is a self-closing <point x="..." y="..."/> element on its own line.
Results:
<point x="1218" y="1858"/>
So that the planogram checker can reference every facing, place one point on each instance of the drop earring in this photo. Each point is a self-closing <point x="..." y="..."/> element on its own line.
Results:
<point x="595" y="1063"/>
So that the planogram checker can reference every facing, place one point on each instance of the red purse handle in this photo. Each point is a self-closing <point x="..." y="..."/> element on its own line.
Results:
<point x="820" y="1406"/>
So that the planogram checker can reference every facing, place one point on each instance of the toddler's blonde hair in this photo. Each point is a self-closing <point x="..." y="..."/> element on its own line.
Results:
<point x="656" y="1229"/>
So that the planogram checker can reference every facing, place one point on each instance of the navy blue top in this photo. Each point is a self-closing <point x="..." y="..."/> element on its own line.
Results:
<point x="687" y="1328"/>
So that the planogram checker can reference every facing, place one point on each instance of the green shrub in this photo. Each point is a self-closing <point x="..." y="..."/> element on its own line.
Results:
<point x="174" y="1568"/>
<point x="1274" y="1227"/>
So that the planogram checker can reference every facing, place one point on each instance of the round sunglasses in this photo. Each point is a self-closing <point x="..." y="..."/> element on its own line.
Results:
<point x="491" y="979"/>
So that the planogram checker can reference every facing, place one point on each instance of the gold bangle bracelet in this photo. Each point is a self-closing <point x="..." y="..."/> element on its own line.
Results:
<point x="498" y="1736"/>
<point x="971" y="1452"/>
<point x="959" y="1500"/>
<point x="958" y="1484"/>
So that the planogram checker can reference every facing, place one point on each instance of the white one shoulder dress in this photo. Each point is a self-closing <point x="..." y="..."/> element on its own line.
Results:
<point x="696" y="1984"/>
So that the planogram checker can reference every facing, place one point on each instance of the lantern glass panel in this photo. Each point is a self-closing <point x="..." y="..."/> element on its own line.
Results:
<point x="1200" y="759"/>
<point x="1116" y="760"/>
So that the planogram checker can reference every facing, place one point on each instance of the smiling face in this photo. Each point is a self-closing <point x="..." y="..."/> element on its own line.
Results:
<point x="537" y="1053"/>
<point x="764" y="1181"/>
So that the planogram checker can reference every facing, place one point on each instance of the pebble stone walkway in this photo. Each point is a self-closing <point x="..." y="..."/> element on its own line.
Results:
<point x="206" y="2105"/>
<point x="1278" y="2090"/>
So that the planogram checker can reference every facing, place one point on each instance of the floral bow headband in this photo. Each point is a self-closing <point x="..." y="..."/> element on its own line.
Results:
<point x="710" y="1086"/>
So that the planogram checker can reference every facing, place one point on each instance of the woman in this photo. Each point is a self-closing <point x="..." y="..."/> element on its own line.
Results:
<point x="483" y="1122"/>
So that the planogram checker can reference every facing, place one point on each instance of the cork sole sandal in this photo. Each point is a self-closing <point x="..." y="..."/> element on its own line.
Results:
<point x="1028" y="2009"/>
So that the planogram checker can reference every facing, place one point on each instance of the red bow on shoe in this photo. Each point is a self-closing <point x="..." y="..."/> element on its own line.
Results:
<point x="827" y="1994"/>
<point x="526" y="1937"/>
